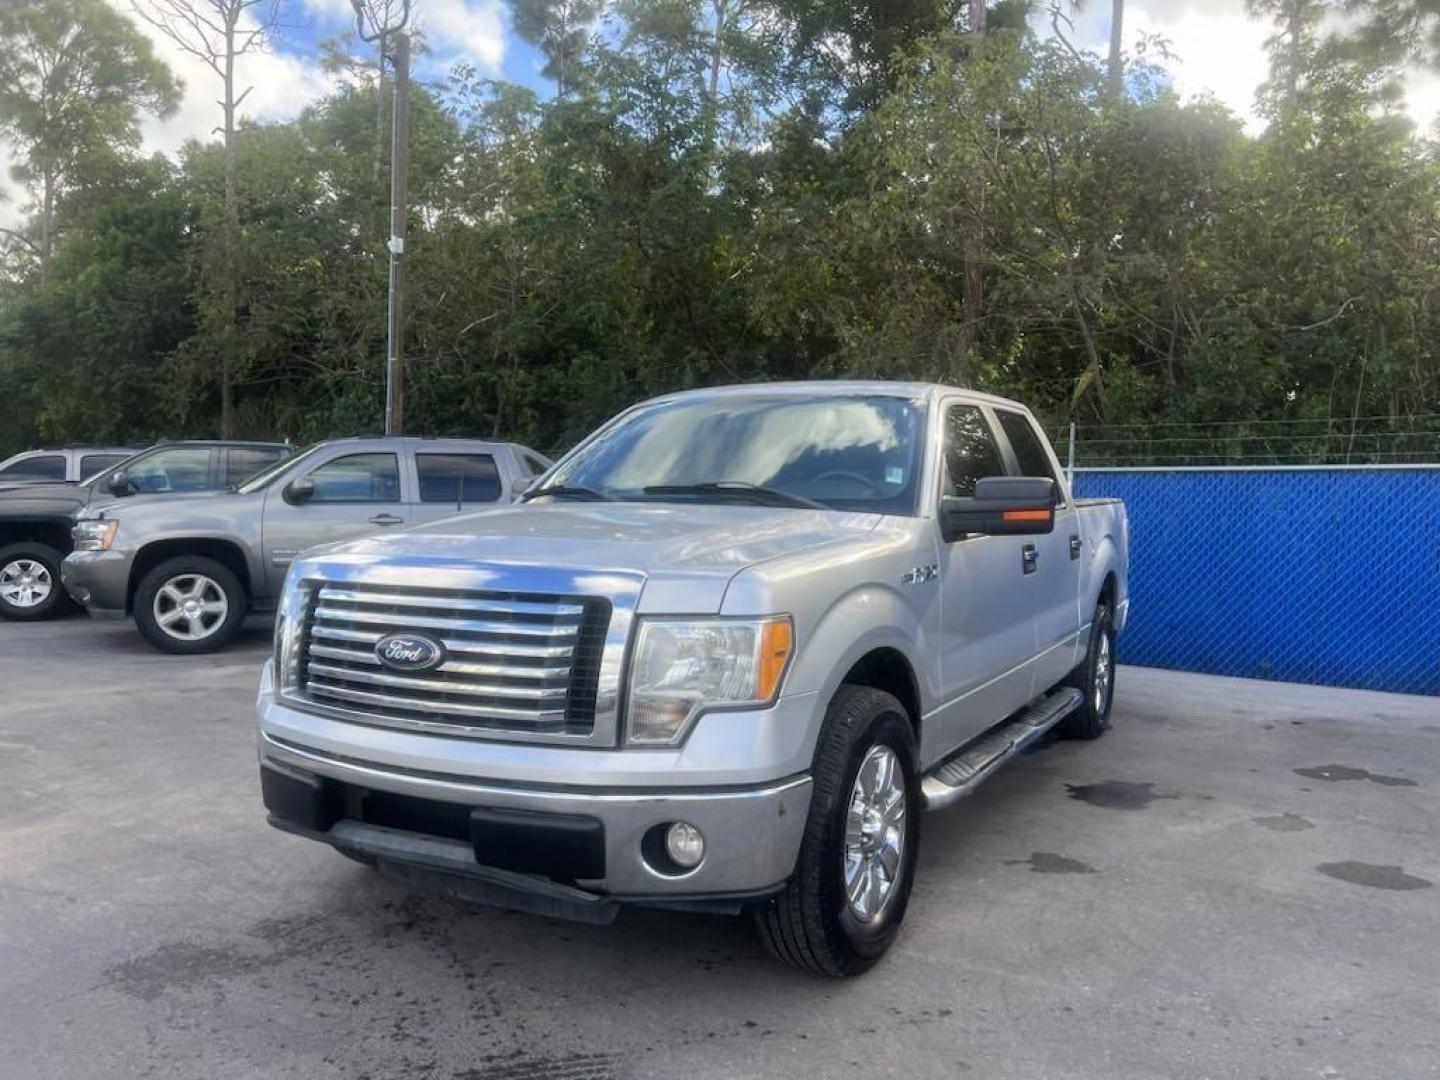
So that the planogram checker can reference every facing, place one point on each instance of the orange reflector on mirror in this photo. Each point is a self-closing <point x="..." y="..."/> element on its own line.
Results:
<point x="1027" y="515"/>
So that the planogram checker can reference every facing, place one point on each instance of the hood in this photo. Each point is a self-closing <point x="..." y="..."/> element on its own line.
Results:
<point x="42" y="495"/>
<point x="108" y="504"/>
<point x="688" y="552"/>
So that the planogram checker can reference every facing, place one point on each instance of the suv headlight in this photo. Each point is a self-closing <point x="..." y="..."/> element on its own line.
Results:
<point x="683" y="669"/>
<point x="94" y="535"/>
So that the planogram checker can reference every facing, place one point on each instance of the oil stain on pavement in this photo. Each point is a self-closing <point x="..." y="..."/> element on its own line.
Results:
<point x="1117" y="794"/>
<point x="1285" y="823"/>
<point x="1047" y="862"/>
<point x="1347" y="772"/>
<point x="1374" y="876"/>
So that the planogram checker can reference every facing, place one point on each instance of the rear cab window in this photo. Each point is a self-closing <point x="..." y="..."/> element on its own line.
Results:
<point x="93" y="464"/>
<point x="457" y="478"/>
<point x="1029" y="451"/>
<point x="243" y="462"/>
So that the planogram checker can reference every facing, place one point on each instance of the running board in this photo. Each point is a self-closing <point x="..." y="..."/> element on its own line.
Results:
<point x="960" y="774"/>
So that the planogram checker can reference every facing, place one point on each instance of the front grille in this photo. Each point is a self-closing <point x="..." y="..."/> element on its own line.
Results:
<point x="515" y="662"/>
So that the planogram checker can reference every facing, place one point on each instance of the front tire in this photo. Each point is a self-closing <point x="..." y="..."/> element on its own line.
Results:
<point x="30" y="581"/>
<point x="842" y="908"/>
<point x="189" y="605"/>
<point x="1095" y="678"/>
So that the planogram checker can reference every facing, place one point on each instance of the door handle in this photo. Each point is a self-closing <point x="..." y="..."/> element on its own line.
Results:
<point x="1075" y="544"/>
<point x="387" y="519"/>
<point x="1029" y="558"/>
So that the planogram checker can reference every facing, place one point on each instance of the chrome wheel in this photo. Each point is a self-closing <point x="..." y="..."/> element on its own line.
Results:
<point x="874" y="833"/>
<point x="25" y="583"/>
<point x="1101" y="689"/>
<point x="190" y="607"/>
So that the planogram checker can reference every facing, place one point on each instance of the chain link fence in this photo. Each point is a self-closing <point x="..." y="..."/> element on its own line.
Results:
<point x="1326" y="574"/>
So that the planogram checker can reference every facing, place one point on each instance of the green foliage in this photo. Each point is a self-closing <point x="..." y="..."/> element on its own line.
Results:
<point x="74" y="74"/>
<point x="785" y="198"/>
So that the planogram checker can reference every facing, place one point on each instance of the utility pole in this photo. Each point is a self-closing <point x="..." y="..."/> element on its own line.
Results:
<point x="368" y="18"/>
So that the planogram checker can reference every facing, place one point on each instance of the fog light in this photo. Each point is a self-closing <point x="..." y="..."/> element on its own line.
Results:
<point x="685" y="845"/>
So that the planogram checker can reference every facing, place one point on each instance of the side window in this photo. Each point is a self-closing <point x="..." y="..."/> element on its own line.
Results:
<point x="42" y="467"/>
<point x="90" y="464"/>
<point x="535" y="464"/>
<point x="182" y="468"/>
<point x="970" y="450"/>
<point x="1029" y="451"/>
<point x="357" y="478"/>
<point x="457" y="478"/>
<point x="243" y="462"/>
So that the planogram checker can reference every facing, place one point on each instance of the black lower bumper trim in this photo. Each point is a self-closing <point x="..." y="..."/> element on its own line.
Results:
<point x="565" y="847"/>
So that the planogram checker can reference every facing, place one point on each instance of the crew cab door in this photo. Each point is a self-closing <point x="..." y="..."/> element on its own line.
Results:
<point x="987" y="617"/>
<point x="354" y="492"/>
<point x="450" y="482"/>
<point x="1052" y="583"/>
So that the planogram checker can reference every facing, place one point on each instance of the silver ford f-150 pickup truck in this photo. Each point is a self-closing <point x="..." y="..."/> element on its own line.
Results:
<point x="720" y="658"/>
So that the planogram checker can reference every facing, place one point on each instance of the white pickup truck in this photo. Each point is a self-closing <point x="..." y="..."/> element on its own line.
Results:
<point x="719" y="659"/>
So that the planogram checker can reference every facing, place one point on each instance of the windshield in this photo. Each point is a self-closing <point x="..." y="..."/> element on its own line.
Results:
<point x="846" y="453"/>
<point x="262" y="478"/>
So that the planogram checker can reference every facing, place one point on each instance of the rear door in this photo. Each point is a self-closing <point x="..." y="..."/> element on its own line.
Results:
<point x="450" y="482"/>
<point x="1052" y="585"/>
<point x="356" y="492"/>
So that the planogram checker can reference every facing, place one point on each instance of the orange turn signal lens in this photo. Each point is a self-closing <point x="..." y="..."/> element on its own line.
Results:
<point x="1028" y="515"/>
<point x="777" y="638"/>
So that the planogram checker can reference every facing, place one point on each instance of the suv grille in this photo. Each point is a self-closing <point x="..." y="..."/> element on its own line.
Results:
<point x="514" y="662"/>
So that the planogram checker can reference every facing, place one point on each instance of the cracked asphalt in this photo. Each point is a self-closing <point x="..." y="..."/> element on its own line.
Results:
<point x="1240" y="880"/>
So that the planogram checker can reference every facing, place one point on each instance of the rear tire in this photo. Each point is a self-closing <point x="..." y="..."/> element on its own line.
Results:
<point x="30" y="586"/>
<point x="1094" y="677"/>
<point x="842" y="908"/>
<point x="189" y="605"/>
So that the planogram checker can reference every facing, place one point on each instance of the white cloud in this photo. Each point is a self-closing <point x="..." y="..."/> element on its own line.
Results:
<point x="1219" y="49"/>
<point x="457" y="30"/>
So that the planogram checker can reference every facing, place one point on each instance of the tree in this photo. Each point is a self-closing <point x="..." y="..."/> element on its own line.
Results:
<point x="217" y="33"/>
<point x="74" y="77"/>
<point x="560" y="29"/>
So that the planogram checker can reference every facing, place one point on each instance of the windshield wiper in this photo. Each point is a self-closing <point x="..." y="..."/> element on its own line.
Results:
<point x="568" y="491"/>
<point x="739" y="489"/>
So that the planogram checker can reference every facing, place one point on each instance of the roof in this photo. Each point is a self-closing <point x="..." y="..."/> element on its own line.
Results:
<point x="846" y="388"/>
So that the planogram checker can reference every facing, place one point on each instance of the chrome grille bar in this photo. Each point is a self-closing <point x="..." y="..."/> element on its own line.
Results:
<point x="515" y="663"/>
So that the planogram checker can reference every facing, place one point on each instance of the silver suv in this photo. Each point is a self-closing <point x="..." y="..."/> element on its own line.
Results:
<point x="62" y="464"/>
<point x="190" y="567"/>
<point x="720" y="659"/>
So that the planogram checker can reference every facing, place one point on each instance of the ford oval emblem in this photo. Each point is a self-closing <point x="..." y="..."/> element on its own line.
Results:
<point x="409" y="652"/>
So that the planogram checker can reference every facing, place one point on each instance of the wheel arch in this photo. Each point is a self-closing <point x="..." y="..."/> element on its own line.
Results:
<point x="226" y="552"/>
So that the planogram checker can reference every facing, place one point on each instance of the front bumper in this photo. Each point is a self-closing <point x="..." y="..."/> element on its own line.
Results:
<point x="98" y="580"/>
<point x="448" y="817"/>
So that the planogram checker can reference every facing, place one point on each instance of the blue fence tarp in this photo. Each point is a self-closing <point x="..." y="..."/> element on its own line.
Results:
<point x="1328" y="576"/>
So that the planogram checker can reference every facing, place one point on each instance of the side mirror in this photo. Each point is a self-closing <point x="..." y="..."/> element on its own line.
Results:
<point x="299" y="492"/>
<point x="118" y="483"/>
<point x="1001" y="506"/>
<point x="520" y="485"/>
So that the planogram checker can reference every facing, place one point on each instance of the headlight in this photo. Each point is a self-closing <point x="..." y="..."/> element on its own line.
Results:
<point x="96" y="535"/>
<point x="289" y="619"/>
<point x="682" y="669"/>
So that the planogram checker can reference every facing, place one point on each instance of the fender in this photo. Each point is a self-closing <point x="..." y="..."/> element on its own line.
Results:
<point x="863" y="619"/>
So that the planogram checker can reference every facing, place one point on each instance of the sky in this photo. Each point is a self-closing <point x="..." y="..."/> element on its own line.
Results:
<point x="1218" y="51"/>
